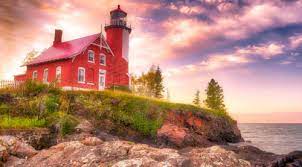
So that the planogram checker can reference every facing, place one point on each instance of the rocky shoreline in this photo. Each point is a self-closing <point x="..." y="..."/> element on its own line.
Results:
<point x="89" y="147"/>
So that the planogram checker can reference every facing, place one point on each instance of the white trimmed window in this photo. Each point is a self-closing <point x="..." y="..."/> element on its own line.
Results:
<point x="81" y="75"/>
<point x="59" y="73"/>
<point x="45" y="75"/>
<point x="103" y="59"/>
<point x="35" y="75"/>
<point x="90" y="56"/>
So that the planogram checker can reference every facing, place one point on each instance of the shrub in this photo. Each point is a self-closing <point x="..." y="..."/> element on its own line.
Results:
<point x="67" y="124"/>
<point x="4" y="109"/>
<point x="51" y="103"/>
<point x="33" y="88"/>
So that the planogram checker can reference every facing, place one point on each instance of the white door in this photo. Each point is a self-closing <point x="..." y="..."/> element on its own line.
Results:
<point x="102" y="80"/>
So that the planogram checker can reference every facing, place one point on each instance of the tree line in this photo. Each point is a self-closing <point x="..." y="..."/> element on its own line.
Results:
<point x="150" y="84"/>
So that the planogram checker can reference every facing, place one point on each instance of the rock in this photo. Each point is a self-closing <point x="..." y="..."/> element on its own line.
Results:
<point x="85" y="127"/>
<point x="137" y="162"/>
<point x="172" y="133"/>
<point x="91" y="141"/>
<point x="65" y="154"/>
<point x="93" y="152"/>
<point x="170" y="157"/>
<point x="16" y="147"/>
<point x="15" y="161"/>
<point x="39" y="138"/>
<point x="3" y="153"/>
<point x="293" y="159"/>
<point x="252" y="154"/>
<point x="215" y="156"/>
<point x="184" y="129"/>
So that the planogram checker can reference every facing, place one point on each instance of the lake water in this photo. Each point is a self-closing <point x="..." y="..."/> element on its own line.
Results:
<point x="276" y="138"/>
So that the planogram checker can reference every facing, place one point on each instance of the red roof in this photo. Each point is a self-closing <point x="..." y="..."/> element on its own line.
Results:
<point x="64" y="50"/>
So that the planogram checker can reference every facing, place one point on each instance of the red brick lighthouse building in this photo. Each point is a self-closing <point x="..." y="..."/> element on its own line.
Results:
<point x="92" y="62"/>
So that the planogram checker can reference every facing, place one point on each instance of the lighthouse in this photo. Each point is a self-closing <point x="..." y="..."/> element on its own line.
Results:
<point x="86" y="63"/>
<point x="117" y="35"/>
<point x="118" y="32"/>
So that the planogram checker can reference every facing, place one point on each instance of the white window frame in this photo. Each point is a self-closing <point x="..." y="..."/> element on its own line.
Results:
<point x="102" y="72"/>
<point x="84" y="77"/>
<point x="45" y="77"/>
<point x="103" y="55"/>
<point x="91" y="51"/>
<point x="35" y="75"/>
<point x="59" y="73"/>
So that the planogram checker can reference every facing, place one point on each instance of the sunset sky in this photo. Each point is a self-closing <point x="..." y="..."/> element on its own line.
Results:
<point x="251" y="47"/>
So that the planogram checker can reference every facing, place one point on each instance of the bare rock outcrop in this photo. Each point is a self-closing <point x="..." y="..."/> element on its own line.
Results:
<point x="13" y="146"/>
<point x="92" y="151"/>
<point x="182" y="129"/>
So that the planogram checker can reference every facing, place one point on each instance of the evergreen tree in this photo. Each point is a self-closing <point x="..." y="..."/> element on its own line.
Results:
<point x="215" y="98"/>
<point x="159" y="88"/>
<point x="196" y="100"/>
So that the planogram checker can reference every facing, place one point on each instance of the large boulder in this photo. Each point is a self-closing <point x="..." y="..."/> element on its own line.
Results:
<point x="17" y="148"/>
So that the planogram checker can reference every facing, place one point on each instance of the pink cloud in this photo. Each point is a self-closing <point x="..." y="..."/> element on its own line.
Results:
<point x="189" y="33"/>
<point x="295" y="41"/>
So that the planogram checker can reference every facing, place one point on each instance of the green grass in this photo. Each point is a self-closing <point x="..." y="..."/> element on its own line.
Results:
<point x="143" y="114"/>
<point x="7" y="122"/>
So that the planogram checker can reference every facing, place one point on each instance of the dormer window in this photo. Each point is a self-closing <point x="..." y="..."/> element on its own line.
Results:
<point x="103" y="59"/>
<point x="91" y="56"/>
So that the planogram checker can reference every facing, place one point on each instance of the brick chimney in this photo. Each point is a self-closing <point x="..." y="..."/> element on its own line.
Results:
<point x="58" y="37"/>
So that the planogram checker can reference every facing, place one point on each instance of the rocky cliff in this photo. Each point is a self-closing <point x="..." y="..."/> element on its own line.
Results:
<point x="84" y="148"/>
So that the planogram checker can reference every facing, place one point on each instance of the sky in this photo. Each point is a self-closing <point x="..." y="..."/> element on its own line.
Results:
<point x="251" y="47"/>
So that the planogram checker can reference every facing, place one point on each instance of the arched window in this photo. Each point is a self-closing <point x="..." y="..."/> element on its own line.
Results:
<point x="59" y="73"/>
<point x="103" y="59"/>
<point x="91" y="56"/>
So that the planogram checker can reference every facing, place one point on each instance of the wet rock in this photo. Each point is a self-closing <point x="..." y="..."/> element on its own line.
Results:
<point x="252" y="154"/>
<point x="16" y="147"/>
<point x="293" y="159"/>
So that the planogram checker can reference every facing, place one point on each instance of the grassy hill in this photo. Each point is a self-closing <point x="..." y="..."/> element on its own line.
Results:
<point x="33" y="105"/>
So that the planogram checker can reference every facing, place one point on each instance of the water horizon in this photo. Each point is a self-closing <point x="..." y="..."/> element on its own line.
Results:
<point x="278" y="138"/>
